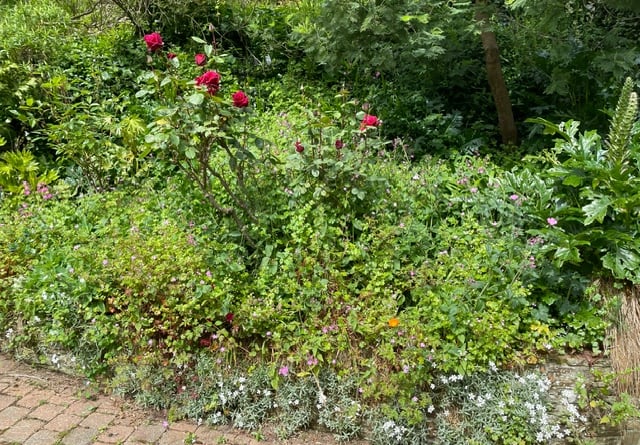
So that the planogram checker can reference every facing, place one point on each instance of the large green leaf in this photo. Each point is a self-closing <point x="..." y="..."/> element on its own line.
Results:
<point x="624" y="263"/>
<point x="596" y="210"/>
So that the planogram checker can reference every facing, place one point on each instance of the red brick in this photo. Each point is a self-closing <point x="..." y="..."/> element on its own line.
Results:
<point x="81" y="408"/>
<point x="21" y="430"/>
<point x="97" y="420"/>
<point x="63" y="422"/>
<point x="146" y="434"/>
<point x="36" y="398"/>
<point x="6" y="401"/>
<point x="116" y="434"/>
<point x="183" y="426"/>
<point x="43" y="437"/>
<point x="46" y="412"/>
<point x="11" y="415"/>
<point x="172" y="437"/>
<point x="80" y="436"/>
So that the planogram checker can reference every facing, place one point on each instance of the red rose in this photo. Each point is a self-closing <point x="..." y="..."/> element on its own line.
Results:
<point x="154" y="41"/>
<point x="201" y="59"/>
<point x="171" y="55"/>
<point x="229" y="317"/>
<point x="210" y="79"/>
<point x="299" y="147"/>
<point x="240" y="99"/>
<point x="339" y="144"/>
<point x="369" y="120"/>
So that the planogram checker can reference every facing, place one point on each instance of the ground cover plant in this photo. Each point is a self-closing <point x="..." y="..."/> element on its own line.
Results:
<point x="237" y="247"/>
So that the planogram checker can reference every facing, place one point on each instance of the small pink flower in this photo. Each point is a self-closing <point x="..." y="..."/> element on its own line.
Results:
<point x="552" y="221"/>
<point x="171" y="56"/>
<point x="284" y="371"/>
<point x="514" y="197"/>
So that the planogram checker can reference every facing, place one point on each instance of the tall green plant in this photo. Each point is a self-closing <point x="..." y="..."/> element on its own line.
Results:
<point x="593" y="218"/>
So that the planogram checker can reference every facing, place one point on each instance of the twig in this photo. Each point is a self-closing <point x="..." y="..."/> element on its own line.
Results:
<point x="27" y="376"/>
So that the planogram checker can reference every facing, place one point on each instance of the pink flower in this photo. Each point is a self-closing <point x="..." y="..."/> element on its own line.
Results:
<point x="552" y="221"/>
<point x="171" y="55"/>
<point x="369" y="120"/>
<point x="200" y="59"/>
<point x="299" y="147"/>
<point x="284" y="371"/>
<point x="240" y="99"/>
<point x="154" y="41"/>
<point x="514" y="197"/>
<point x="210" y="79"/>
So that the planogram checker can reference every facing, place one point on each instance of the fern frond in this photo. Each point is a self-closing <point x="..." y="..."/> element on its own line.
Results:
<point x="621" y="125"/>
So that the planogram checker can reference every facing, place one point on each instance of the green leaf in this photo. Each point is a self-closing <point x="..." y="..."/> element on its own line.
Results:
<point x="567" y="253"/>
<point x="196" y="99"/>
<point x="572" y="181"/>
<point x="596" y="210"/>
<point x="623" y="262"/>
<point x="190" y="153"/>
<point x="198" y="40"/>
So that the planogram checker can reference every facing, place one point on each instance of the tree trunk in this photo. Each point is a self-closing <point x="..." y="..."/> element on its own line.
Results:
<point x="499" y="90"/>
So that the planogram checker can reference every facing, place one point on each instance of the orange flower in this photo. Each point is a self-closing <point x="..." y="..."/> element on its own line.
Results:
<point x="394" y="322"/>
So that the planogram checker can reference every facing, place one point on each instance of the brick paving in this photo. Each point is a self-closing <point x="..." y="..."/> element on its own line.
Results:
<point x="42" y="407"/>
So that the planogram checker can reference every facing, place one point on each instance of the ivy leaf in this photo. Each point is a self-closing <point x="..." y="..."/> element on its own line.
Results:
<point x="596" y="210"/>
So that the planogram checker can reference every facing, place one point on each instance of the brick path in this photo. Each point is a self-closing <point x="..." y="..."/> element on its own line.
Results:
<point x="41" y="407"/>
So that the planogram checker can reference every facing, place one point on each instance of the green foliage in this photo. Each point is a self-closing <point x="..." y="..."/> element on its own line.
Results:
<point x="372" y="36"/>
<point x="600" y="401"/>
<point x="31" y="31"/>
<point x="281" y="260"/>
<point x="21" y="173"/>
<point x="567" y="59"/>
<point x="595" y="196"/>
